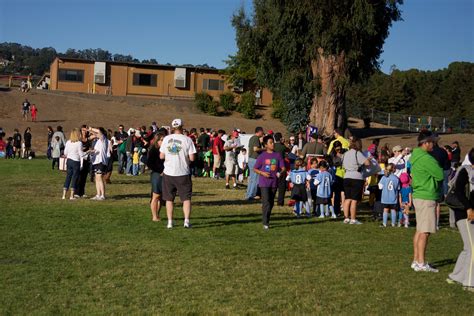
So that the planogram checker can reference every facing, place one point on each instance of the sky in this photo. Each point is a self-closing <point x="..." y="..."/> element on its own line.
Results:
<point x="433" y="33"/>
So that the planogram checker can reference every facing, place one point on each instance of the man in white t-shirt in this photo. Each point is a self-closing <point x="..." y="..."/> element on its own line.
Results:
<point x="231" y="145"/>
<point x="398" y="160"/>
<point x="178" y="151"/>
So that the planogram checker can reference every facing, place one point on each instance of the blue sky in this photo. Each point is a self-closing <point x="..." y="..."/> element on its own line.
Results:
<point x="433" y="34"/>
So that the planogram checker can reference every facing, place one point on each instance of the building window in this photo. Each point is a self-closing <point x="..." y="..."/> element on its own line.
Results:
<point x="213" y="84"/>
<point x="71" y="75"/>
<point x="144" y="80"/>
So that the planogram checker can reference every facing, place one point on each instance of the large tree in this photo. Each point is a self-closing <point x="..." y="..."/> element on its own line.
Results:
<point x="308" y="51"/>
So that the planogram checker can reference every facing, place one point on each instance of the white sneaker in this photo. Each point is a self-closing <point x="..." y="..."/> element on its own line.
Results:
<point x="399" y="225"/>
<point x="413" y="264"/>
<point x="169" y="226"/>
<point x="334" y="216"/>
<point x="425" y="268"/>
<point x="321" y="216"/>
<point x="266" y="227"/>
<point x="327" y="214"/>
<point x="95" y="198"/>
<point x="346" y="221"/>
<point x="355" y="222"/>
<point x="187" y="225"/>
<point x="406" y="225"/>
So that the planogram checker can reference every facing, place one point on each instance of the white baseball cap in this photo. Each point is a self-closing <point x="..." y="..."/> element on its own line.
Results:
<point x="176" y="123"/>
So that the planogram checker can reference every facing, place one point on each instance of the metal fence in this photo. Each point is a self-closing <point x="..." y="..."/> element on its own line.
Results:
<point x="409" y="122"/>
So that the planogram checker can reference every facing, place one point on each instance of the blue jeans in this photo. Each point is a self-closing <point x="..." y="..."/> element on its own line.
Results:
<point x="135" y="169"/>
<point x="129" y="164"/>
<point x="252" y="181"/>
<point x="121" y="161"/>
<point x="73" y="169"/>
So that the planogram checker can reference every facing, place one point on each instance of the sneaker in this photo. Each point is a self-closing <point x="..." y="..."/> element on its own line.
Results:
<point x="235" y="186"/>
<point x="425" y="268"/>
<point x="327" y="214"/>
<point x="383" y="225"/>
<point x="346" y="221"/>
<point x="468" y="288"/>
<point x="334" y="216"/>
<point x="451" y="281"/>
<point x="355" y="222"/>
<point x="63" y="198"/>
<point x="321" y="216"/>
<point x="187" y="225"/>
<point x="266" y="227"/>
<point x="101" y="198"/>
<point x="169" y="226"/>
<point x="72" y="198"/>
<point x="399" y="225"/>
<point x="95" y="198"/>
<point x="77" y="196"/>
<point x="406" y="225"/>
<point x="393" y="225"/>
<point x="413" y="264"/>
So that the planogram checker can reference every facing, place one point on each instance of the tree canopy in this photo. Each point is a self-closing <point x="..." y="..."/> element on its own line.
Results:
<point x="295" y="45"/>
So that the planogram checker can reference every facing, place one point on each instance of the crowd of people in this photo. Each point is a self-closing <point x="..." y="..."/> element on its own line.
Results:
<point x="16" y="146"/>
<point x="326" y="177"/>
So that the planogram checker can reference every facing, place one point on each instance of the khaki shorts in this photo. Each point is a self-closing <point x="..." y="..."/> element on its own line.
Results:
<point x="425" y="211"/>
<point x="217" y="161"/>
<point x="230" y="168"/>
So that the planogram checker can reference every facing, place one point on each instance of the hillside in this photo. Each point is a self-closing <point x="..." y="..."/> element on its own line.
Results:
<point x="73" y="109"/>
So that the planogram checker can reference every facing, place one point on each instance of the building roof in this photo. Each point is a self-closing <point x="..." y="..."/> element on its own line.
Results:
<point x="140" y="65"/>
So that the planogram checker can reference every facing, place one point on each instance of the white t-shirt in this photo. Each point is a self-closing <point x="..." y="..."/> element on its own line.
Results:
<point x="177" y="149"/>
<point x="242" y="159"/>
<point x="101" y="151"/>
<point x="73" y="151"/>
<point x="230" y="155"/>
<point x="400" y="164"/>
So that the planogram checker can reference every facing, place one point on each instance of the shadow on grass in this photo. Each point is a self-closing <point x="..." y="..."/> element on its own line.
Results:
<point x="142" y="181"/>
<point x="130" y="196"/>
<point x="442" y="263"/>
<point x="224" y="202"/>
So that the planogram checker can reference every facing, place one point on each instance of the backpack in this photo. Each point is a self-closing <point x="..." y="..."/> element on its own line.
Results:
<point x="452" y="200"/>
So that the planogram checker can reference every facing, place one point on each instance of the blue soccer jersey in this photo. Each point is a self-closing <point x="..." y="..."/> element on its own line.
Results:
<point x="324" y="181"/>
<point x="298" y="176"/>
<point x="313" y="173"/>
<point x="405" y="193"/>
<point x="390" y="186"/>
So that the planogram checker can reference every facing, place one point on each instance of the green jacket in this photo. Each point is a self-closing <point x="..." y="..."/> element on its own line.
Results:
<point x="426" y="174"/>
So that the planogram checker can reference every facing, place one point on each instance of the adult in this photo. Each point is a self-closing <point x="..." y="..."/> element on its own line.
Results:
<point x="110" y="162"/>
<point x="255" y="148"/>
<point x="62" y="139"/>
<point x="427" y="175"/>
<point x="178" y="151"/>
<point x="398" y="160"/>
<point x="338" y="187"/>
<point x="156" y="165"/>
<point x="25" y="109"/>
<point x="231" y="147"/>
<point x="338" y="137"/>
<point x="301" y="141"/>
<point x="217" y="152"/>
<point x="463" y="270"/>
<point x="456" y="154"/>
<point x="27" y="142"/>
<point x="268" y="166"/>
<point x="131" y="142"/>
<point x="441" y="156"/>
<point x="16" y="143"/>
<point x="50" y="137"/>
<point x="282" y="150"/>
<point x="314" y="147"/>
<point x="73" y="152"/>
<point x="86" y="163"/>
<point x="100" y="157"/>
<point x="121" y="139"/>
<point x="203" y="140"/>
<point x="353" y="162"/>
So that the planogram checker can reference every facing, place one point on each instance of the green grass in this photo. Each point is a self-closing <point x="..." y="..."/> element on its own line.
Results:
<point x="108" y="257"/>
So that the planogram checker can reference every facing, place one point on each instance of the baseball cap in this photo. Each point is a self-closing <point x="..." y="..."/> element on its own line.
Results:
<point x="397" y="148"/>
<point x="177" y="123"/>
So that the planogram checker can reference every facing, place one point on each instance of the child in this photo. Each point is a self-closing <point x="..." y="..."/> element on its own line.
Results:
<point x="323" y="182"/>
<point x="135" y="161"/>
<point x="242" y="161"/>
<point x="405" y="200"/>
<point x="9" y="149"/>
<point x="143" y="159"/>
<point x="313" y="172"/>
<point x="268" y="166"/>
<point x="390" y="185"/>
<point x="298" y="178"/>
<point x="56" y="152"/>
<point x="34" y="111"/>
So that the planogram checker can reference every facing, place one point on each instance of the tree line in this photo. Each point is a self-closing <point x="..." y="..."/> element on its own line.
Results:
<point x="20" y="59"/>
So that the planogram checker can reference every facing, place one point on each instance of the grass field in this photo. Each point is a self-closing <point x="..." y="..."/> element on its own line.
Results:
<point x="109" y="258"/>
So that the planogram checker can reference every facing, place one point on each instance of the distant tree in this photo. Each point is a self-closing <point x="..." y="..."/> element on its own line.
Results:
<point x="308" y="51"/>
<point x="122" y="58"/>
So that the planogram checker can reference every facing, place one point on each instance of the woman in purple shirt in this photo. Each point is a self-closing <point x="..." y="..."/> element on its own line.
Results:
<point x="268" y="166"/>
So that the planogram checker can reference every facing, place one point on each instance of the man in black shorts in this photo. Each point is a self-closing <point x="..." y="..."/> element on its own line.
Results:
<point x="178" y="151"/>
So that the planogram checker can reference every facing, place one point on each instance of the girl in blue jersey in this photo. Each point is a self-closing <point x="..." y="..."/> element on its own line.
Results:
<point x="313" y="172"/>
<point x="298" y="178"/>
<point x="323" y="182"/>
<point x="406" y="200"/>
<point x="390" y="186"/>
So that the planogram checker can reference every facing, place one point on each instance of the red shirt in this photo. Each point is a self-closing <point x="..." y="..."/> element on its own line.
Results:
<point x="217" y="146"/>
<point x="2" y="145"/>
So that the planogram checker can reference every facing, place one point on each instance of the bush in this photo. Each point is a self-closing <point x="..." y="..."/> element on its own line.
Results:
<point x="247" y="105"/>
<point x="279" y="109"/>
<point x="205" y="103"/>
<point x="227" y="101"/>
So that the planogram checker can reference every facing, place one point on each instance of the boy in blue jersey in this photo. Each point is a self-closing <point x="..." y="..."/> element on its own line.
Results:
<point x="313" y="172"/>
<point x="390" y="186"/>
<point x="298" y="178"/>
<point x="323" y="182"/>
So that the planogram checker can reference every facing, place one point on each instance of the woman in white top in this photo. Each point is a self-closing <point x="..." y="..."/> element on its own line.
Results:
<point x="73" y="152"/>
<point x="100" y="155"/>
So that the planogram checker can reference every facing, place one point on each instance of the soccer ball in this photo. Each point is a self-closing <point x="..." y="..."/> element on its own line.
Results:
<point x="30" y="157"/>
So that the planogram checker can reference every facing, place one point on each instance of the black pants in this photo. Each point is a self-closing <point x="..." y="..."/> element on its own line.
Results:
<point x="268" y="200"/>
<point x="82" y="179"/>
<point x="281" y="189"/>
<point x="55" y="163"/>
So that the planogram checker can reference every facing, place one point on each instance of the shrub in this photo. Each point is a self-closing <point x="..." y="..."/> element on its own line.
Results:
<point x="227" y="101"/>
<point x="279" y="109"/>
<point x="247" y="105"/>
<point x="205" y="103"/>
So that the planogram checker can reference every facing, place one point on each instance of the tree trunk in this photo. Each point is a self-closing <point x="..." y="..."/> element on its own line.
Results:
<point x="328" y="111"/>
